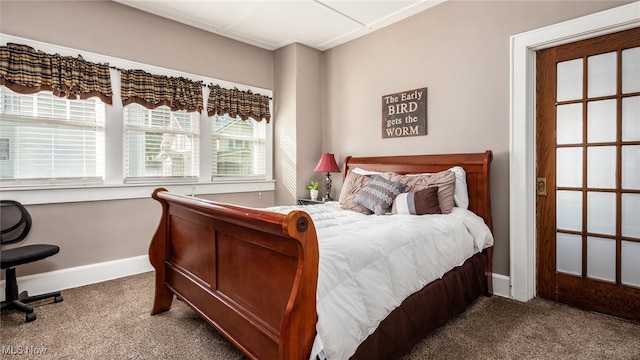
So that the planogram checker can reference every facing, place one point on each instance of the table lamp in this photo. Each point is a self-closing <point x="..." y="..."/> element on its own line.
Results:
<point x="327" y="164"/>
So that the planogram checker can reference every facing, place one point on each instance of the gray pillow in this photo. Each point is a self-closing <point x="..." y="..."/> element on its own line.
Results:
<point x="379" y="194"/>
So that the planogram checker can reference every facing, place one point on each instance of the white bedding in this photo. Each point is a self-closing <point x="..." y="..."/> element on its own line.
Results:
<point x="369" y="264"/>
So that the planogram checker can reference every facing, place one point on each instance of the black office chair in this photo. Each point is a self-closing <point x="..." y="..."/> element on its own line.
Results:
<point x="15" y="223"/>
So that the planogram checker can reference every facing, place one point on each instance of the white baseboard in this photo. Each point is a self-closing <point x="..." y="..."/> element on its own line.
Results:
<point x="80" y="275"/>
<point x="501" y="285"/>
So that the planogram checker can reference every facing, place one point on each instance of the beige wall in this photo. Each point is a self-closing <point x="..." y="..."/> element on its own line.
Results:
<point x="309" y="117"/>
<point x="285" y="138"/>
<point x="112" y="29"/>
<point x="326" y="101"/>
<point x="459" y="50"/>
<point x="91" y="232"/>
<point x="298" y="132"/>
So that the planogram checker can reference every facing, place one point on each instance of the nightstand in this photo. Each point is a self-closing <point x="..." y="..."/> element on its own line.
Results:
<point x="309" y="202"/>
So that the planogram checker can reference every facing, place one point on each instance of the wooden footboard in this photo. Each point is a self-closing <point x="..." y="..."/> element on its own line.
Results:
<point x="251" y="274"/>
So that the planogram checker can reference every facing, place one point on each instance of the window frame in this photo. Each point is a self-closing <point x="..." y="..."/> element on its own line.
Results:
<point x="193" y="133"/>
<point x="114" y="185"/>
<point x="255" y="141"/>
<point x="95" y="126"/>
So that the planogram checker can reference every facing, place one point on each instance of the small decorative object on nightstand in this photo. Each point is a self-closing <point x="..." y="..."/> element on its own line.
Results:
<point x="313" y="189"/>
<point x="327" y="164"/>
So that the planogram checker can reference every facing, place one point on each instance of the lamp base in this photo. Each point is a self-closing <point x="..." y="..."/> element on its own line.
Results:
<point x="327" y="188"/>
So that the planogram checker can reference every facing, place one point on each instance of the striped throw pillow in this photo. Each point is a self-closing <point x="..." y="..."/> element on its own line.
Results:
<point x="378" y="196"/>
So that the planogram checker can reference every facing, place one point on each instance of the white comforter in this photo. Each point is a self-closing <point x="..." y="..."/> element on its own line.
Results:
<point x="369" y="264"/>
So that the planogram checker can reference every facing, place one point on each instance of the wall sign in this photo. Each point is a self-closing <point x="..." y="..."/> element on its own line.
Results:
<point x="404" y="114"/>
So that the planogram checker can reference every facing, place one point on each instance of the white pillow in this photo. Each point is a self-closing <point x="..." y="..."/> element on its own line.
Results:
<point x="460" y="194"/>
<point x="360" y="171"/>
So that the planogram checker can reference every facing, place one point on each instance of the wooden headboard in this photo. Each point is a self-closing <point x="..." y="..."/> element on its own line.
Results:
<point x="476" y="165"/>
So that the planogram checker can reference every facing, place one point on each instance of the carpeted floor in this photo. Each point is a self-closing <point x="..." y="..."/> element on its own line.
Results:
<point x="111" y="320"/>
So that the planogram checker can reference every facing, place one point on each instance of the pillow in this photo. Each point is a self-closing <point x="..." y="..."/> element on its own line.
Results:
<point x="353" y="183"/>
<point x="444" y="180"/>
<point x="460" y="194"/>
<point x="361" y="171"/>
<point x="378" y="196"/>
<point x="423" y="202"/>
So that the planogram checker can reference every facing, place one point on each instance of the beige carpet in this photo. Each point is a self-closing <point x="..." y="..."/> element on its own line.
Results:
<point x="111" y="320"/>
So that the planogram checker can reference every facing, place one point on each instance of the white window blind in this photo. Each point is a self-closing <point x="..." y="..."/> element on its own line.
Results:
<point x="161" y="144"/>
<point x="48" y="140"/>
<point x="238" y="148"/>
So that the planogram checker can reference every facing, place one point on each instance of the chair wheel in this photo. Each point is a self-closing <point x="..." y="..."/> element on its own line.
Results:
<point x="58" y="299"/>
<point x="30" y="317"/>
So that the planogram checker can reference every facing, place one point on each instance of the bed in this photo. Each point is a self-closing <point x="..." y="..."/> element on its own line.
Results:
<point x="253" y="274"/>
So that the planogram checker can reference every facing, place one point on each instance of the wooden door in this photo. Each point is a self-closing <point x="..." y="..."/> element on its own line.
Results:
<point x="588" y="174"/>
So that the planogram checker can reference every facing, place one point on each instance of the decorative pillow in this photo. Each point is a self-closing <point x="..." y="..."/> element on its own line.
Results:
<point x="460" y="194"/>
<point x="444" y="180"/>
<point x="353" y="183"/>
<point x="378" y="196"/>
<point x="423" y="202"/>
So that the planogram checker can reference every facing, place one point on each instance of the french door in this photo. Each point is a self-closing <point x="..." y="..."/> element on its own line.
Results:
<point x="588" y="174"/>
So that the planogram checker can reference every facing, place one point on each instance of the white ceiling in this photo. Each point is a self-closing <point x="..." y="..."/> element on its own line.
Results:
<point x="271" y="24"/>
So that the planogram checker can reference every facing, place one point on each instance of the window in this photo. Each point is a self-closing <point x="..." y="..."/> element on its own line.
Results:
<point x="238" y="147"/>
<point x="90" y="151"/>
<point x="161" y="143"/>
<point x="49" y="140"/>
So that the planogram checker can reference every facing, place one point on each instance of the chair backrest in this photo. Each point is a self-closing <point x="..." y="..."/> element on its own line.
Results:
<point x="15" y="221"/>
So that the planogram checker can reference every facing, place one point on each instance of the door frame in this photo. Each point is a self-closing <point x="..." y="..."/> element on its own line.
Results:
<point x="522" y="117"/>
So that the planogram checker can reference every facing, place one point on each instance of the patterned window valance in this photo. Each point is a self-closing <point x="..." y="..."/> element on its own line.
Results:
<point x="238" y="103"/>
<point x="26" y="71"/>
<point x="152" y="91"/>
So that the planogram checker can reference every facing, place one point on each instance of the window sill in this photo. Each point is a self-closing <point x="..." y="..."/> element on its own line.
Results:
<point x="54" y="195"/>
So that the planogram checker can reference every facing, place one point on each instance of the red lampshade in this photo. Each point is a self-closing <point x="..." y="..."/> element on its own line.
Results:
<point x="327" y="164"/>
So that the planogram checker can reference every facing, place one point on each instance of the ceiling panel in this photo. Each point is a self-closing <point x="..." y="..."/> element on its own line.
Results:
<point x="271" y="24"/>
<point x="281" y="23"/>
<point x="369" y="12"/>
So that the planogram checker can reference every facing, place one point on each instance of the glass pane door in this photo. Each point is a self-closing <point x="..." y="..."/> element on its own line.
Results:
<point x="598" y="167"/>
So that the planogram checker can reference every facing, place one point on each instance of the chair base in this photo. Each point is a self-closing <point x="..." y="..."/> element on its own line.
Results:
<point x="15" y="301"/>
<point x="20" y="304"/>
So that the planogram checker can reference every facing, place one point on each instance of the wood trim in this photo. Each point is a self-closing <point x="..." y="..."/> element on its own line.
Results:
<point x="596" y="45"/>
<point x="545" y="144"/>
<point x="600" y="296"/>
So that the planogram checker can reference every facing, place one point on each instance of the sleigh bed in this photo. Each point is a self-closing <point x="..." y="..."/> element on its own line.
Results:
<point x="253" y="274"/>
